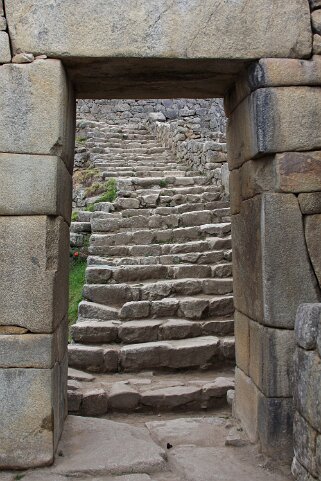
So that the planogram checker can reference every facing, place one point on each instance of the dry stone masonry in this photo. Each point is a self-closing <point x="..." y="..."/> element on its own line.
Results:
<point x="270" y="77"/>
<point x="158" y="293"/>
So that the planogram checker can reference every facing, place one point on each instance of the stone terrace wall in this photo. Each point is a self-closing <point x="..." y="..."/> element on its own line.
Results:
<point x="307" y="394"/>
<point x="210" y="111"/>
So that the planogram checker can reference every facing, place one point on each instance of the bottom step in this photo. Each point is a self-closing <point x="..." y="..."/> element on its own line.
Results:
<point x="148" y="392"/>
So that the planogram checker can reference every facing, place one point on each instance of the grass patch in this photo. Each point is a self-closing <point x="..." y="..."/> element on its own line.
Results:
<point x="110" y="193"/>
<point x="74" y="217"/>
<point x="90" y="208"/>
<point x="81" y="140"/>
<point x="76" y="284"/>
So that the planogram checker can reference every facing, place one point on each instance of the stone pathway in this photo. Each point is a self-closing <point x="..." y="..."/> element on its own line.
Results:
<point x="181" y="449"/>
<point x="158" y="294"/>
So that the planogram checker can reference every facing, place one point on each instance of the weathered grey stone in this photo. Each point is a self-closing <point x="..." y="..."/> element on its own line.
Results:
<point x="34" y="185"/>
<point x="92" y="331"/>
<point x="305" y="440"/>
<point x="272" y="274"/>
<point x="74" y="401"/>
<point x="94" y="403"/>
<point x="5" y="53"/>
<point x="171" y="397"/>
<point x="315" y="4"/>
<point x="92" y="310"/>
<point x="242" y="337"/>
<point x="3" y="23"/>
<point x="316" y="44"/>
<point x="23" y="57"/>
<point x="36" y="109"/>
<point x="310" y="203"/>
<point x="246" y="404"/>
<point x="307" y="394"/>
<point x="122" y="397"/>
<point x="235" y="191"/>
<point x="265" y="123"/>
<point x="236" y="437"/>
<point x="316" y="21"/>
<point x="135" y="310"/>
<point x="308" y="320"/>
<point x="105" y="454"/>
<point x="39" y="351"/>
<point x="299" y="472"/>
<point x="31" y="413"/>
<point x="271" y="365"/>
<point x="218" y="388"/>
<point x="34" y="280"/>
<point x="227" y="36"/>
<point x="312" y="235"/>
<point x="76" y="375"/>
<point x="278" y="431"/>
<point x="139" y="331"/>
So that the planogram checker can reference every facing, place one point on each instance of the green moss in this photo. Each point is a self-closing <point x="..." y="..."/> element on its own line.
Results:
<point x="90" y="208"/>
<point x="74" y="217"/>
<point x="94" y="189"/>
<point x="76" y="284"/>
<point x="81" y="140"/>
<point x="163" y="183"/>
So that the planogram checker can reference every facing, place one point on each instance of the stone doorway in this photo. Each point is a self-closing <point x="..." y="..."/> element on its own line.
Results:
<point x="274" y="158"/>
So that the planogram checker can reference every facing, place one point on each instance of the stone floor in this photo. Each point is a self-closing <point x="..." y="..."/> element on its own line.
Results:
<point x="155" y="448"/>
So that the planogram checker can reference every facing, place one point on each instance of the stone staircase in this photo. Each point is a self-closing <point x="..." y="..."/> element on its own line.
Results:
<point x="155" y="327"/>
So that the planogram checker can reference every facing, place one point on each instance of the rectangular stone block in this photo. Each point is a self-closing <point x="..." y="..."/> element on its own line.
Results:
<point x="271" y="360"/>
<point x="34" y="272"/>
<point x="310" y="203"/>
<point x="306" y="386"/>
<point x="275" y="424"/>
<point x="272" y="272"/>
<point x="30" y="424"/>
<point x="266" y="122"/>
<point x="161" y="29"/>
<point x="34" y="185"/>
<point x="274" y="72"/>
<point x="246" y="404"/>
<point x="5" y="53"/>
<point x="40" y="351"/>
<point x="1" y="8"/>
<point x="37" y="110"/>
<point x="312" y="236"/>
<point x="305" y="440"/>
<point x="242" y="341"/>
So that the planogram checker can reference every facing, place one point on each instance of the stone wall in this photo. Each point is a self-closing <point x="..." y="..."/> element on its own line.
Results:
<point x="307" y="394"/>
<point x="209" y="111"/>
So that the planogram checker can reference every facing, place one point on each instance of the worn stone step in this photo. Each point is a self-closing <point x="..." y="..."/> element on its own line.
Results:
<point x="77" y="227"/>
<point x="138" y="183"/>
<point x="139" y="273"/>
<point x="128" y="208"/>
<point x="129" y="174"/>
<point x="156" y="236"/>
<point x="145" y="392"/>
<point x="114" y="222"/>
<point x="173" y="354"/>
<point x="92" y="331"/>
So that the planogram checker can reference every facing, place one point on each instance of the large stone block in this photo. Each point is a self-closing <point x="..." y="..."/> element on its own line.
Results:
<point x="310" y="203"/>
<point x="307" y="325"/>
<point x="266" y="122"/>
<point x="34" y="185"/>
<point x="30" y="416"/>
<point x="271" y="361"/>
<point x="246" y="404"/>
<point x="305" y="440"/>
<point x="306" y="386"/>
<point x="242" y="341"/>
<point x="5" y="54"/>
<point x="288" y="172"/>
<point x="275" y="424"/>
<point x="235" y="191"/>
<point x="37" y="110"/>
<point x="313" y="235"/>
<point x="184" y="29"/>
<point x="274" y="72"/>
<point x="40" y="351"/>
<point x="34" y="272"/>
<point x="271" y="269"/>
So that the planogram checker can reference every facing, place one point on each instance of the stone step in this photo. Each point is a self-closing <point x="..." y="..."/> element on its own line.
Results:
<point x="200" y="252"/>
<point x="128" y="208"/>
<point x="114" y="294"/>
<point x="138" y="183"/>
<point x="173" y="355"/>
<point x="146" y="392"/>
<point x="175" y="192"/>
<point x="76" y="227"/>
<point x="114" y="222"/>
<point x="91" y="331"/>
<point x="139" y="173"/>
<point x="139" y="273"/>
<point x="155" y="236"/>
